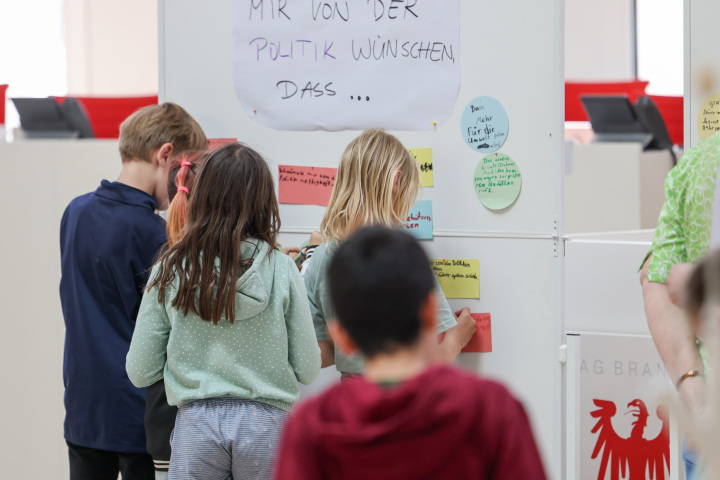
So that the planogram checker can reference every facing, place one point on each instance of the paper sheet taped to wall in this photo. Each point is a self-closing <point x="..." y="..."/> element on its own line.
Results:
<point x="481" y="341"/>
<point x="424" y="158"/>
<point x="305" y="185"/>
<point x="419" y="220"/>
<point x="459" y="278"/>
<point x="341" y="64"/>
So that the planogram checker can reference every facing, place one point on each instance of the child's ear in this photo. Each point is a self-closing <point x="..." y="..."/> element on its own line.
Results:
<point x="396" y="182"/>
<point x="428" y="313"/>
<point x="163" y="154"/>
<point x="340" y="337"/>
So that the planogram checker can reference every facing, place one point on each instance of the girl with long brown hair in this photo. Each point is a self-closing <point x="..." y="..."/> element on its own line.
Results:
<point x="225" y="321"/>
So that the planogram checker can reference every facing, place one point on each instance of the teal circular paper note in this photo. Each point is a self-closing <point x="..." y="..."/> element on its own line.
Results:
<point x="484" y="124"/>
<point x="497" y="181"/>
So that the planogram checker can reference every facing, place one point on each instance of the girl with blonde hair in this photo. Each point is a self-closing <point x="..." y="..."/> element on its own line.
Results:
<point x="376" y="184"/>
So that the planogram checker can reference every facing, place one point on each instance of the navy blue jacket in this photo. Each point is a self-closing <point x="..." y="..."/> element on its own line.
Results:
<point x="108" y="242"/>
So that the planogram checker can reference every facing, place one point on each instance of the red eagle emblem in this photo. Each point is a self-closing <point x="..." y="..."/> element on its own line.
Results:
<point x="631" y="457"/>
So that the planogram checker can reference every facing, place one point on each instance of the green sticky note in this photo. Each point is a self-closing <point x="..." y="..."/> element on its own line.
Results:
<point x="458" y="278"/>
<point x="425" y="161"/>
<point x="497" y="181"/>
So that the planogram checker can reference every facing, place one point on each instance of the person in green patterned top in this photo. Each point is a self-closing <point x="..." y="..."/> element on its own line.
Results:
<point x="682" y="237"/>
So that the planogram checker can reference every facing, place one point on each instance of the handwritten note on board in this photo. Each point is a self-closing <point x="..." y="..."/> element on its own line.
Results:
<point x="345" y="65"/>
<point x="305" y="185"/>
<point x="424" y="158"/>
<point x="708" y="121"/>
<point x="481" y="341"/>
<point x="497" y="181"/>
<point x="458" y="278"/>
<point x="419" y="220"/>
<point x="484" y="124"/>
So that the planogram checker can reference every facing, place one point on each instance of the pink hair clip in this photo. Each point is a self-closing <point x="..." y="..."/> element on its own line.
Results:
<point x="186" y="164"/>
<point x="183" y="189"/>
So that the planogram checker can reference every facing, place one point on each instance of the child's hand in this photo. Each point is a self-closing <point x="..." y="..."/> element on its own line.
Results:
<point x="457" y="337"/>
<point x="466" y="326"/>
<point x="291" y="250"/>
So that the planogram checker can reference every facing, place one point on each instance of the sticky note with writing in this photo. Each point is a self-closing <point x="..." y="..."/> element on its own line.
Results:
<point x="425" y="160"/>
<point x="419" y="220"/>
<point x="497" y="181"/>
<point x="481" y="341"/>
<point x="708" y="120"/>
<point x="459" y="278"/>
<point x="305" y="185"/>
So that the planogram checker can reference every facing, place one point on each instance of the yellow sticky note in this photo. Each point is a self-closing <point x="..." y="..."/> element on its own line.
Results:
<point x="424" y="158"/>
<point x="459" y="278"/>
<point x="708" y="120"/>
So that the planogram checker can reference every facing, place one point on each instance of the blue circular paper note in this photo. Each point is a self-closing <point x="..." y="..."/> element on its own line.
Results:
<point x="484" y="125"/>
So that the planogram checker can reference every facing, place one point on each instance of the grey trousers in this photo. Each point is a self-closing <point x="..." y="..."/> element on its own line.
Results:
<point x="225" y="438"/>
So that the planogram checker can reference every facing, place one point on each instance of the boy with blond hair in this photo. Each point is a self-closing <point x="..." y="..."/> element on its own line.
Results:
<point x="407" y="417"/>
<point x="108" y="241"/>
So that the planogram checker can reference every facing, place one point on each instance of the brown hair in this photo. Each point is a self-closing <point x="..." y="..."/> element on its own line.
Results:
<point x="363" y="190"/>
<point x="149" y="128"/>
<point x="233" y="200"/>
<point x="183" y="171"/>
<point x="700" y="285"/>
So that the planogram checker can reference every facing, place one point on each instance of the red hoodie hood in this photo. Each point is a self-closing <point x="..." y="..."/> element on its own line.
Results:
<point x="359" y="412"/>
<point x="439" y="424"/>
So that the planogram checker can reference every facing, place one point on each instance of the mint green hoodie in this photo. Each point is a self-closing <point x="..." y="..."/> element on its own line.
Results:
<point x="270" y="347"/>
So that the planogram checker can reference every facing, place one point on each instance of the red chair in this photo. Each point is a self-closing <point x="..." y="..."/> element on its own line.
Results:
<point x="107" y="113"/>
<point x="574" y="111"/>
<point x="672" y="111"/>
<point x="3" y="89"/>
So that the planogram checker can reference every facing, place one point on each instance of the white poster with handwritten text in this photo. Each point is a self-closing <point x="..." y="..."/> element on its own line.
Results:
<point x="347" y="64"/>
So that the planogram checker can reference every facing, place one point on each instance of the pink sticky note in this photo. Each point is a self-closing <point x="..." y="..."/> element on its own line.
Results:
<point x="305" y="185"/>
<point x="482" y="340"/>
<point x="214" y="143"/>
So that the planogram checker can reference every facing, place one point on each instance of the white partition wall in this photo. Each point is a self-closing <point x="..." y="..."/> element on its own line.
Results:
<point x="602" y="289"/>
<point x="41" y="177"/>
<point x="610" y="354"/>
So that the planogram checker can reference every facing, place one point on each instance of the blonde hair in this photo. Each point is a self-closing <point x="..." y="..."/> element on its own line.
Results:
<point x="363" y="191"/>
<point x="150" y="127"/>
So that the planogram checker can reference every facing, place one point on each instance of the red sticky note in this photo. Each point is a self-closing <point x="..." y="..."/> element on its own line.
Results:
<point x="305" y="185"/>
<point x="482" y="340"/>
<point x="214" y="143"/>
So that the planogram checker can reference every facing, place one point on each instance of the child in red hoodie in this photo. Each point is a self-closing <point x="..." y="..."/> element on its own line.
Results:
<point x="406" y="418"/>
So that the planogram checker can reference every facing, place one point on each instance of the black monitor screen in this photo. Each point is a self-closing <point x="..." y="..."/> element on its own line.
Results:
<point x="40" y="114"/>
<point x="612" y="115"/>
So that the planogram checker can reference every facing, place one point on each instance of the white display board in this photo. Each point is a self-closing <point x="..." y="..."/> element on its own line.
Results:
<point x="510" y="51"/>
